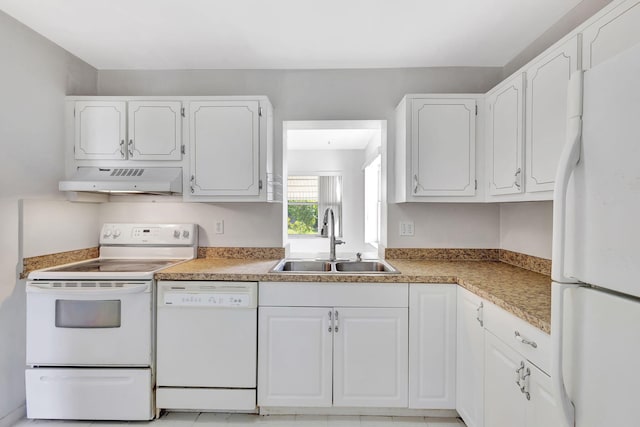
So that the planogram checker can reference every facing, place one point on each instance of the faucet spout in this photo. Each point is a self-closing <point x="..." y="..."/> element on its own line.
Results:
<point x="332" y="237"/>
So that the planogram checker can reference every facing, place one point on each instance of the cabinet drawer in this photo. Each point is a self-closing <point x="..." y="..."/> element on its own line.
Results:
<point x="333" y="294"/>
<point x="530" y="341"/>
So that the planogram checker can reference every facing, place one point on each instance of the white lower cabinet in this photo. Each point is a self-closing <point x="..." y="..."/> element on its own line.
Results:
<point x="370" y="357"/>
<point x="432" y="346"/>
<point x="295" y="356"/>
<point x="470" y="358"/>
<point x="333" y="355"/>
<point x="517" y="393"/>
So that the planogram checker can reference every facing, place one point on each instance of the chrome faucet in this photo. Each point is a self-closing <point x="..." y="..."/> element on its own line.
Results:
<point x="332" y="239"/>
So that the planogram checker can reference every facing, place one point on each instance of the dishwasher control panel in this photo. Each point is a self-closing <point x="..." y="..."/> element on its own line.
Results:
<point x="207" y="299"/>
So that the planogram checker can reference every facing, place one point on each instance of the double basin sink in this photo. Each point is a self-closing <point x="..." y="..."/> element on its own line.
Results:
<point x="334" y="267"/>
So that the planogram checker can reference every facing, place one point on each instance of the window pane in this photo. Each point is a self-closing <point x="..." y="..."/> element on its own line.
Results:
<point x="87" y="314"/>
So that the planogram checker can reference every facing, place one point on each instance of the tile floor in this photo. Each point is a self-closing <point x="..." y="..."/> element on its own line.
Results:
<point x="188" y="419"/>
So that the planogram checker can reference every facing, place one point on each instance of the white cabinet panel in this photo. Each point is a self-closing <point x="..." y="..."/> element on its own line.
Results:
<point x="542" y="409"/>
<point x="505" y="132"/>
<point x="470" y="358"/>
<point x="546" y="116"/>
<point x="611" y="34"/>
<point x="504" y="402"/>
<point x="155" y="130"/>
<point x="443" y="147"/>
<point x="225" y="148"/>
<point x="370" y="357"/>
<point x="432" y="346"/>
<point x="295" y="356"/>
<point x="100" y="130"/>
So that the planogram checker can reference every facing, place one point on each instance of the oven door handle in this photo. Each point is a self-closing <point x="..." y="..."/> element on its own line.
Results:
<point x="41" y="288"/>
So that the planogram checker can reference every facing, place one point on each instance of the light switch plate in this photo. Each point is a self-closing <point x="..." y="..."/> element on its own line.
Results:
<point x="220" y="226"/>
<point x="406" y="228"/>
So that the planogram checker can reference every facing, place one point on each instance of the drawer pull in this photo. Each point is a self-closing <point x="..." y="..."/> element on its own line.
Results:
<point x="523" y="340"/>
<point x="479" y="314"/>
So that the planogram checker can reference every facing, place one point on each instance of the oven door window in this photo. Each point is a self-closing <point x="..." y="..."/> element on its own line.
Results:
<point x="88" y="314"/>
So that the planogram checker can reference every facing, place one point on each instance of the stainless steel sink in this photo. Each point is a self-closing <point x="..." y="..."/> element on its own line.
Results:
<point x="364" y="267"/>
<point x="334" y="267"/>
<point x="303" y="266"/>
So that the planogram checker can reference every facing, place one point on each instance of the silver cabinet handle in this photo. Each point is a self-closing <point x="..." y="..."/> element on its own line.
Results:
<point x="130" y="145"/>
<point x="524" y="387"/>
<point x="335" y="328"/>
<point x="479" y="316"/>
<point x="192" y="181"/>
<point x="523" y="340"/>
<point x="122" y="152"/>
<point x="330" y="321"/>
<point x="519" y="375"/>
<point x="517" y="181"/>
<point x="415" y="183"/>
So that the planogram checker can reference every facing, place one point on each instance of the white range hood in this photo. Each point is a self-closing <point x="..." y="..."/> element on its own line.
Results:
<point x="145" y="180"/>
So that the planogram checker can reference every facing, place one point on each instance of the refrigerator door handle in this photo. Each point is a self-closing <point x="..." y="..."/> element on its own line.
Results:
<point x="568" y="160"/>
<point x="557" y="334"/>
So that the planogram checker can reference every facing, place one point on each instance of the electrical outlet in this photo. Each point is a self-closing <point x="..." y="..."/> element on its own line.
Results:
<point x="220" y="227"/>
<point x="406" y="228"/>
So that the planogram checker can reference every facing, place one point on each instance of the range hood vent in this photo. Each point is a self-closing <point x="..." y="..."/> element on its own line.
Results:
<point x="153" y="180"/>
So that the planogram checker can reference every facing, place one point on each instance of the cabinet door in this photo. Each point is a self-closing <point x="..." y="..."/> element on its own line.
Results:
<point x="432" y="346"/>
<point x="100" y="130"/>
<point x="294" y="356"/>
<point x="443" y="133"/>
<point x="547" y="84"/>
<point x="470" y="359"/>
<point x="225" y="148"/>
<point x="155" y="130"/>
<point x="542" y="409"/>
<point x="611" y="34"/>
<point x="370" y="357"/>
<point x="505" y="130"/>
<point x="504" y="403"/>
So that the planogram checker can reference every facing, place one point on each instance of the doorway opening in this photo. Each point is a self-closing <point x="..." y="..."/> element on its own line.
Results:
<point x="337" y="165"/>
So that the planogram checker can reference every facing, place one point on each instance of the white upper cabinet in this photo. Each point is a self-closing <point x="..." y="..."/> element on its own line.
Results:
<point x="435" y="147"/>
<point x="432" y="346"/>
<point x="612" y="33"/>
<point x="134" y="130"/>
<point x="155" y="130"/>
<point x="546" y="113"/>
<point x="230" y="144"/>
<point x="505" y="136"/>
<point x="100" y="130"/>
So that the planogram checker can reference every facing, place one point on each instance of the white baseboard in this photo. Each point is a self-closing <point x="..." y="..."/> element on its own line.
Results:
<point x="14" y="416"/>
<point x="395" y="412"/>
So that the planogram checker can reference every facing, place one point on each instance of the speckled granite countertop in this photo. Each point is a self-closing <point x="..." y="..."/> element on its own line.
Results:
<point x="521" y="292"/>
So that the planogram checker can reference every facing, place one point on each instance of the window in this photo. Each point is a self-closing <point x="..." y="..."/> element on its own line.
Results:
<point x="308" y="197"/>
<point x="372" y="201"/>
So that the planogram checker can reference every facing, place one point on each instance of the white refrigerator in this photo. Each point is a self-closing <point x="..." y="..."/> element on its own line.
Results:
<point x="595" y="322"/>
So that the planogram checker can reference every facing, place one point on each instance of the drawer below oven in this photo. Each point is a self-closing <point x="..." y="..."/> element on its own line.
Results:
<point x="89" y="394"/>
<point x="206" y="399"/>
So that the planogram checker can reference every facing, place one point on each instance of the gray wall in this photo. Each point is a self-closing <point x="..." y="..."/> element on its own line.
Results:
<point x="321" y="95"/>
<point x="35" y="76"/>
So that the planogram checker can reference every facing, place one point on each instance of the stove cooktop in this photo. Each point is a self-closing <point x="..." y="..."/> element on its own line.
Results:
<point x="116" y="266"/>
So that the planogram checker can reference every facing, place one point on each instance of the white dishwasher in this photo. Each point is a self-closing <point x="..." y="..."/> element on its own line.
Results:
<point x="207" y="345"/>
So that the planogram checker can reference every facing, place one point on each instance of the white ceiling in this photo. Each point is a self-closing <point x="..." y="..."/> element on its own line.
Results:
<point x="289" y="34"/>
<point x="330" y="139"/>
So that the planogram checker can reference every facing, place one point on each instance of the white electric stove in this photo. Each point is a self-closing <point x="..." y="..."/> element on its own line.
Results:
<point x="90" y="325"/>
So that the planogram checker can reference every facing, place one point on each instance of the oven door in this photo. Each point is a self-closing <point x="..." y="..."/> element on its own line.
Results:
<point x="89" y="323"/>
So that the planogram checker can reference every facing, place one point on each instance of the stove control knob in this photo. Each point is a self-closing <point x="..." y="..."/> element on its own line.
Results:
<point x="107" y="233"/>
<point x="116" y="233"/>
<point x="176" y="234"/>
<point x="185" y="234"/>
